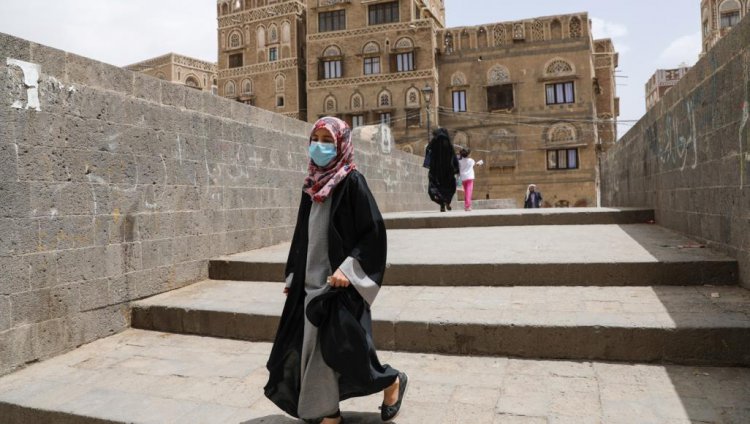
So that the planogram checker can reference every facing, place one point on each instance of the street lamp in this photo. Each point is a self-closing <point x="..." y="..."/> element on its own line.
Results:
<point x="427" y="93"/>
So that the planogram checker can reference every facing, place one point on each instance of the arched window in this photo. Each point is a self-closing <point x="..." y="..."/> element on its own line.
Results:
<point x="555" y="29"/>
<point x="458" y="79"/>
<point x="729" y="12"/>
<point x="498" y="74"/>
<point x="280" y="82"/>
<point x="260" y="35"/>
<point x="235" y="40"/>
<point x="371" y="48"/>
<point x="562" y="133"/>
<point x="384" y="99"/>
<point x="224" y="9"/>
<point x="356" y="101"/>
<point x="247" y="87"/>
<point x="273" y="34"/>
<point x="331" y="51"/>
<point x="330" y="104"/>
<point x="558" y="67"/>
<point x="519" y="31"/>
<point x="192" y="82"/>
<point x="413" y="97"/>
<point x="404" y="43"/>
<point x="576" y="29"/>
<point x="229" y="89"/>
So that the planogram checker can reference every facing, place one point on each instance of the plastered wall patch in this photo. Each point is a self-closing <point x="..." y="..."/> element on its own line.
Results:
<point x="31" y="72"/>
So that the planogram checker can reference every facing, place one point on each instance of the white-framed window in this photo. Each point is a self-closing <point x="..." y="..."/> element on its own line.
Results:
<point x="459" y="101"/>
<point x="372" y="65"/>
<point x="560" y="93"/>
<point x="358" y="121"/>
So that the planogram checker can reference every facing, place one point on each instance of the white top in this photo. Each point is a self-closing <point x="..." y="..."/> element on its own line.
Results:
<point x="466" y="168"/>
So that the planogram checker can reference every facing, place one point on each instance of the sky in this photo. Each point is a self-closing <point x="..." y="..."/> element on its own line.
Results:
<point x="648" y="34"/>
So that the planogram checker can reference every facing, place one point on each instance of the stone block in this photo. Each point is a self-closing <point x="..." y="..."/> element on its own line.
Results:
<point x="81" y="264"/>
<point x="49" y="338"/>
<point x="95" y="294"/>
<point x="30" y="307"/>
<point x="14" y="48"/>
<point x="85" y="71"/>
<point x="4" y="313"/>
<point x="18" y="236"/>
<point x="8" y="157"/>
<point x="146" y="87"/>
<point x="157" y="253"/>
<point x="42" y="270"/>
<point x="52" y="61"/>
<point x="173" y="94"/>
<point x="14" y="275"/>
<point x="64" y="300"/>
<point x="16" y="199"/>
<point x="15" y="348"/>
<point x="66" y="232"/>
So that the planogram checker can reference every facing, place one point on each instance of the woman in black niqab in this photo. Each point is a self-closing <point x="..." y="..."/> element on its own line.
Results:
<point x="443" y="169"/>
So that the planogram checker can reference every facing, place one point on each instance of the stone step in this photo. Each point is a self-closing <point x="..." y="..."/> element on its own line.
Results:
<point x="569" y="255"/>
<point x="688" y="325"/>
<point x="517" y="217"/>
<point x="149" y="377"/>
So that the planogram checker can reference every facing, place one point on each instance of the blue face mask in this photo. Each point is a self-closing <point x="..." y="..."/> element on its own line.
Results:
<point x="322" y="153"/>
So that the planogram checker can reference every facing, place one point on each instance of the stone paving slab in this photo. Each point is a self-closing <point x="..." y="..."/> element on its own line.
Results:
<point x="692" y="325"/>
<point x="150" y="377"/>
<point x="527" y="255"/>
<point x="508" y="217"/>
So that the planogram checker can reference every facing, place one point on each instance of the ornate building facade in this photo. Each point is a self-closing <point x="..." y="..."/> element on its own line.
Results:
<point x="534" y="98"/>
<point x="180" y="69"/>
<point x="661" y="81"/>
<point x="262" y="54"/>
<point x="718" y="17"/>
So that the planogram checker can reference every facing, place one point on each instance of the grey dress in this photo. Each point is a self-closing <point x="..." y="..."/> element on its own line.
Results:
<point x="319" y="392"/>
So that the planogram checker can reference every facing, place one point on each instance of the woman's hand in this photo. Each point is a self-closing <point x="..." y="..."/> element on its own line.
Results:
<point x="338" y="279"/>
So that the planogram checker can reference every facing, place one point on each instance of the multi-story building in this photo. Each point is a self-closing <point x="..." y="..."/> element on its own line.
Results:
<point x="718" y="17"/>
<point x="180" y="69"/>
<point x="534" y="98"/>
<point x="262" y="54"/>
<point x="661" y="81"/>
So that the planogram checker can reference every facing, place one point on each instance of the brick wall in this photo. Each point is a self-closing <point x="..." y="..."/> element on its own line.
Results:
<point x="123" y="186"/>
<point x="689" y="156"/>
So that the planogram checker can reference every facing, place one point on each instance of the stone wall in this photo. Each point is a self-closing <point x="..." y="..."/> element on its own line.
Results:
<point x="689" y="156"/>
<point x="122" y="186"/>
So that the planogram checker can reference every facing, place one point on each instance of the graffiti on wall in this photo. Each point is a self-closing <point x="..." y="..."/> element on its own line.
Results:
<point x="679" y="146"/>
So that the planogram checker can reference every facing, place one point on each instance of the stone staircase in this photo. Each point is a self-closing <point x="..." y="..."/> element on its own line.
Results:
<point x="561" y="316"/>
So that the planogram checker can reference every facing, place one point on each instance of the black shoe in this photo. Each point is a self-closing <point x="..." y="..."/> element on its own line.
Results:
<point x="449" y="207"/>
<point x="442" y="207"/>
<point x="389" y="412"/>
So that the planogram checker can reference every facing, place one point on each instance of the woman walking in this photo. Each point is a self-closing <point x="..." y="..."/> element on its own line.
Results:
<point x="443" y="169"/>
<point x="466" y="171"/>
<point x="323" y="352"/>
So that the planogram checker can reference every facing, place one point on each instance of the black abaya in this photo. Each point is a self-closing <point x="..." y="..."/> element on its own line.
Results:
<point x="443" y="168"/>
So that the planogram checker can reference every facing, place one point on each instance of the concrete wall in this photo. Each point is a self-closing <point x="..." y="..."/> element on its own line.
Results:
<point x="123" y="186"/>
<point x="689" y="156"/>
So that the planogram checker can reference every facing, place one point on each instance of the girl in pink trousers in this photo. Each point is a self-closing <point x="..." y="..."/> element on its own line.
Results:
<point x="466" y="171"/>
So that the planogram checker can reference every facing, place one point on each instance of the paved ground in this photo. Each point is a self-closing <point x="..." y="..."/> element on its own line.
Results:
<point x="150" y="377"/>
<point x="570" y="244"/>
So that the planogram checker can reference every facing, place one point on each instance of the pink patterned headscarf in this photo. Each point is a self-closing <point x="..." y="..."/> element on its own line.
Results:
<point x="320" y="182"/>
